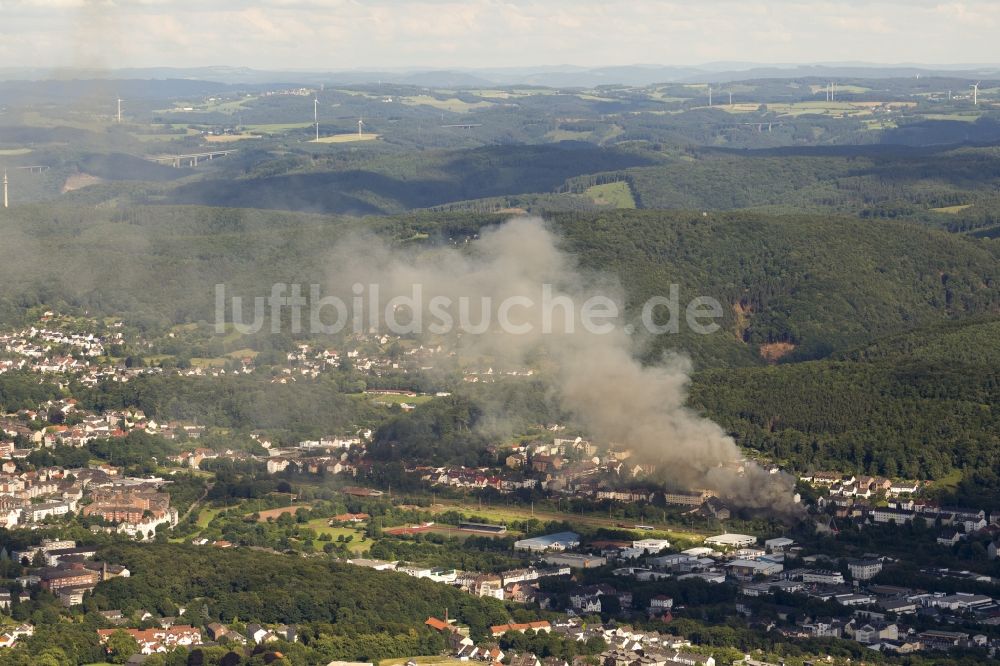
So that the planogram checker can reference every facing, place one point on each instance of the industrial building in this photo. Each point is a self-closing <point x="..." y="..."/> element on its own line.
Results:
<point x="541" y="544"/>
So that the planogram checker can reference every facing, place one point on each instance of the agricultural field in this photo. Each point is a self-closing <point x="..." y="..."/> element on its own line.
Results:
<point x="514" y="93"/>
<point x="661" y="96"/>
<point x="952" y="210"/>
<point x="961" y="117"/>
<point x="841" y="88"/>
<point x="217" y="362"/>
<point x="276" y="128"/>
<point x="452" y="104"/>
<point x="229" y="105"/>
<point x="229" y="138"/>
<point x="820" y="108"/>
<point x="347" y="138"/>
<point x="153" y="138"/>
<point x="568" y="135"/>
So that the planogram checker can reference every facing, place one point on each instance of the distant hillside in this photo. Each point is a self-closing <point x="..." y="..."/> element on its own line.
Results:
<point x="395" y="185"/>
<point x="868" y="181"/>
<point x="117" y="166"/>
<point x="947" y="187"/>
<point x="818" y="284"/>
<point x="564" y="75"/>
<point x="917" y="405"/>
<point x="800" y="286"/>
<point x="975" y="341"/>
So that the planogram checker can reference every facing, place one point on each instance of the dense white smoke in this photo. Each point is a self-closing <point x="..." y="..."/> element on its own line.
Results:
<point x="594" y="375"/>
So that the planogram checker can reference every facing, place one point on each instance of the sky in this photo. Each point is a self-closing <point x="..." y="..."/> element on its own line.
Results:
<point x="327" y="35"/>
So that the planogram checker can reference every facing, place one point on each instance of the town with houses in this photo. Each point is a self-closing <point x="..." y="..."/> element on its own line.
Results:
<point x="570" y="578"/>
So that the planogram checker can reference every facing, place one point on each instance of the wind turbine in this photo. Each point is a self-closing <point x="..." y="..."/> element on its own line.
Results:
<point x="119" y="109"/>
<point x="730" y="98"/>
<point x="316" y="116"/>
<point x="361" y="124"/>
<point x="710" y="95"/>
<point x="975" y="93"/>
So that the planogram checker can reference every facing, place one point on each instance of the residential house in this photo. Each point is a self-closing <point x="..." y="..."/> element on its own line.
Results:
<point x="158" y="640"/>
<point x="527" y="659"/>
<point x="258" y="634"/>
<point x="875" y="632"/>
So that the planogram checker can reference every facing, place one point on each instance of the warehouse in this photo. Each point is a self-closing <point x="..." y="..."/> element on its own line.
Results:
<point x="541" y="544"/>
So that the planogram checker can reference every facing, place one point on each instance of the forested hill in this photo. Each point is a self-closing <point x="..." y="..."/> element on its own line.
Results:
<point x="354" y="599"/>
<point x="918" y="405"/>
<point x="396" y="184"/>
<point x="342" y="612"/>
<point x="811" y="285"/>
<point x="860" y="180"/>
<point x="947" y="187"/>
<point x="974" y="341"/>
<point x="818" y="284"/>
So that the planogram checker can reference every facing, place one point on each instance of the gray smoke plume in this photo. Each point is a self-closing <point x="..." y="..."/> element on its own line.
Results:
<point x="594" y="376"/>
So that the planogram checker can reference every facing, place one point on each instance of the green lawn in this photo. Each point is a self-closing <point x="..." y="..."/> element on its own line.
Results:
<point x="436" y="660"/>
<point x="615" y="195"/>
<point x="948" y="482"/>
<point x="321" y="526"/>
<point x="207" y="515"/>
<point x="208" y="362"/>
<point x="509" y="514"/>
<point x="155" y="359"/>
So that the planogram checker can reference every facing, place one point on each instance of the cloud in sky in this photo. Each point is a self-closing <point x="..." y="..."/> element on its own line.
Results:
<point x="368" y="34"/>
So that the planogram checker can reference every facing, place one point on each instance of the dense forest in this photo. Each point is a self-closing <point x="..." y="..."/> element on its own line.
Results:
<point x="301" y="410"/>
<point x="917" y="405"/>
<point x="400" y="183"/>
<point x="342" y="612"/>
<point x="351" y="600"/>
<point x="821" y="284"/>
